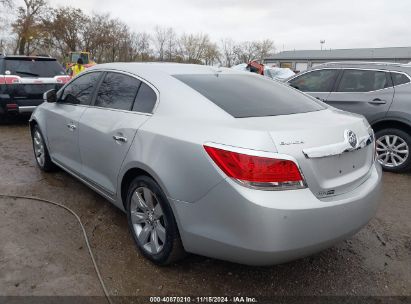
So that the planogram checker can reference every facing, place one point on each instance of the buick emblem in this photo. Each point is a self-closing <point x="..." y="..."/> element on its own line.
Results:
<point x="351" y="138"/>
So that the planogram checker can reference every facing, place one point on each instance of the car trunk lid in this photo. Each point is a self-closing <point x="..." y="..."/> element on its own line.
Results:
<point x="319" y="143"/>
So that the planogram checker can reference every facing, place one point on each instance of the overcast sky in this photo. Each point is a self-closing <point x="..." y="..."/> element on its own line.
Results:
<point x="291" y="24"/>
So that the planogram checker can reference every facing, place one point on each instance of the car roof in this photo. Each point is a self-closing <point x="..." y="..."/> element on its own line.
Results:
<point x="391" y="66"/>
<point x="4" y="56"/>
<point x="164" y="68"/>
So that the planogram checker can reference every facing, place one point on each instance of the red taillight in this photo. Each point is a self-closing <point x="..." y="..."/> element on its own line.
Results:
<point x="256" y="170"/>
<point x="11" y="79"/>
<point x="12" y="106"/>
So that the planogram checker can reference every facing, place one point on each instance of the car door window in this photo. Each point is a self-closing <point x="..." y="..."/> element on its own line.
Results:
<point x="146" y="99"/>
<point x="117" y="91"/>
<point x="315" y="81"/>
<point x="363" y="81"/>
<point x="81" y="89"/>
<point x="399" y="78"/>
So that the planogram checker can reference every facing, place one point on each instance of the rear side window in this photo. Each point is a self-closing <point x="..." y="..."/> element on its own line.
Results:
<point x="315" y="81"/>
<point x="81" y="89"/>
<point x="363" y="81"/>
<point x="117" y="91"/>
<point x="249" y="95"/>
<point x="26" y="67"/>
<point x="398" y="78"/>
<point x="146" y="99"/>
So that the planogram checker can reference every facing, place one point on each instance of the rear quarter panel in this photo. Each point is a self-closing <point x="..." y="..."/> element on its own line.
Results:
<point x="401" y="106"/>
<point x="172" y="151"/>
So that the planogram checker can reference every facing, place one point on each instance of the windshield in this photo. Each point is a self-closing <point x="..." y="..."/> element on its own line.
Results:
<point x="249" y="95"/>
<point x="76" y="56"/>
<point x="33" y="67"/>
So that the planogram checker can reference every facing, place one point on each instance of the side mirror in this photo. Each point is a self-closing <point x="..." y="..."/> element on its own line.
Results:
<point x="50" y="96"/>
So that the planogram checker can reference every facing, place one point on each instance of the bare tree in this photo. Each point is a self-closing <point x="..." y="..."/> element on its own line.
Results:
<point x="264" y="48"/>
<point x="66" y="28"/>
<point x="141" y="45"/>
<point x="171" y="44"/>
<point x="28" y="23"/>
<point x="60" y="30"/>
<point x="228" y="54"/>
<point x="6" y="6"/>
<point x="211" y="54"/>
<point x="246" y="51"/>
<point x="95" y="35"/>
<point x="193" y="47"/>
<point x="160" y="41"/>
<point x="7" y="3"/>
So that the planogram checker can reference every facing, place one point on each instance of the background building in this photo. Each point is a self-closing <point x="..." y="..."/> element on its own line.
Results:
<point x="304" y="59"/>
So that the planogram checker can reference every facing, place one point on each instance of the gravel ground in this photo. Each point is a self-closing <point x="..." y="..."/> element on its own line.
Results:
<point x="42" y="251"/>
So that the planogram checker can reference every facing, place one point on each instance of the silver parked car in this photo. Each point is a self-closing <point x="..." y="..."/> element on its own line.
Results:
<point x="379" y="91"/>
<point x="212" y="161"/>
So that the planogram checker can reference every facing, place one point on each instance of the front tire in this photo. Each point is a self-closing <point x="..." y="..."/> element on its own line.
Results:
<point x="393" y="150"/>
<point x="41" y="153"/>
<point x="152" y="222"/>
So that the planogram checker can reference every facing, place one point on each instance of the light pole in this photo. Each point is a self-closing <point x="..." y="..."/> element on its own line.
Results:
<point x="322" y="42"/>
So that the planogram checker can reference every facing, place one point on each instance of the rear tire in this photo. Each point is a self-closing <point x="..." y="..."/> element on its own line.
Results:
<point x="393" y="150"/>
<point x="152" y="223"/>
<point x="41" y="153"/>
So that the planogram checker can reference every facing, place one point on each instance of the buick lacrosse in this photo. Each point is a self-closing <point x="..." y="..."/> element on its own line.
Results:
<point x="212" y="161"/>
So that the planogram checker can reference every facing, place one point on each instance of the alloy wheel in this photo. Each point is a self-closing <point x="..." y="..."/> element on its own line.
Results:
<point x="148" y="220"/>
<point x="392" y="150"/>
<point x="39" y="148"/>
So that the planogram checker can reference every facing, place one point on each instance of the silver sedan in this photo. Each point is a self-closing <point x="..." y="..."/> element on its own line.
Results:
<point x="212" y="161"/>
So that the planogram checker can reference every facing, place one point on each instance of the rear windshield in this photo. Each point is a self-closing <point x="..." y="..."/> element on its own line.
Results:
<point x="32" y="67"/>
<point x="250" y="96"/>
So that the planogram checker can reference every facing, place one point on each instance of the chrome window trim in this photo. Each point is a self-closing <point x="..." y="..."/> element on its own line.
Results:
<point x="68" y="83"/>
<point x="120" y="110"/>
<point x="309" y="71"/>
<point x="403" y="84"/>
<point x="352" y="68"/>
<point x="366" y="69"/>
<point x="403" y="73"/>
<point x="156" y="91"/>
<point x="110" y="109"/>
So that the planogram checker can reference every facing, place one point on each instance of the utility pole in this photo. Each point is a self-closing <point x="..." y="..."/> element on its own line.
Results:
<point x="322" y="42"/>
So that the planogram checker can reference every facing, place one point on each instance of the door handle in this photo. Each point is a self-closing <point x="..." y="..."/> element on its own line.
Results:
<point x="71" y="127"/>
<point x="377" y="101"/>
<point x="120" y="138"/>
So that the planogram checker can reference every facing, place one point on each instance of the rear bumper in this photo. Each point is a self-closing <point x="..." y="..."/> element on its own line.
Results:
<point x="27" y="109"/>
<point x="254" y="227"/>
<point x="19" y="106"/>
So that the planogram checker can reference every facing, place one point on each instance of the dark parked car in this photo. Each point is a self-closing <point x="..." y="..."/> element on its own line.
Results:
<point x="24" y="79"/>
<point x="379" y="91"/>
